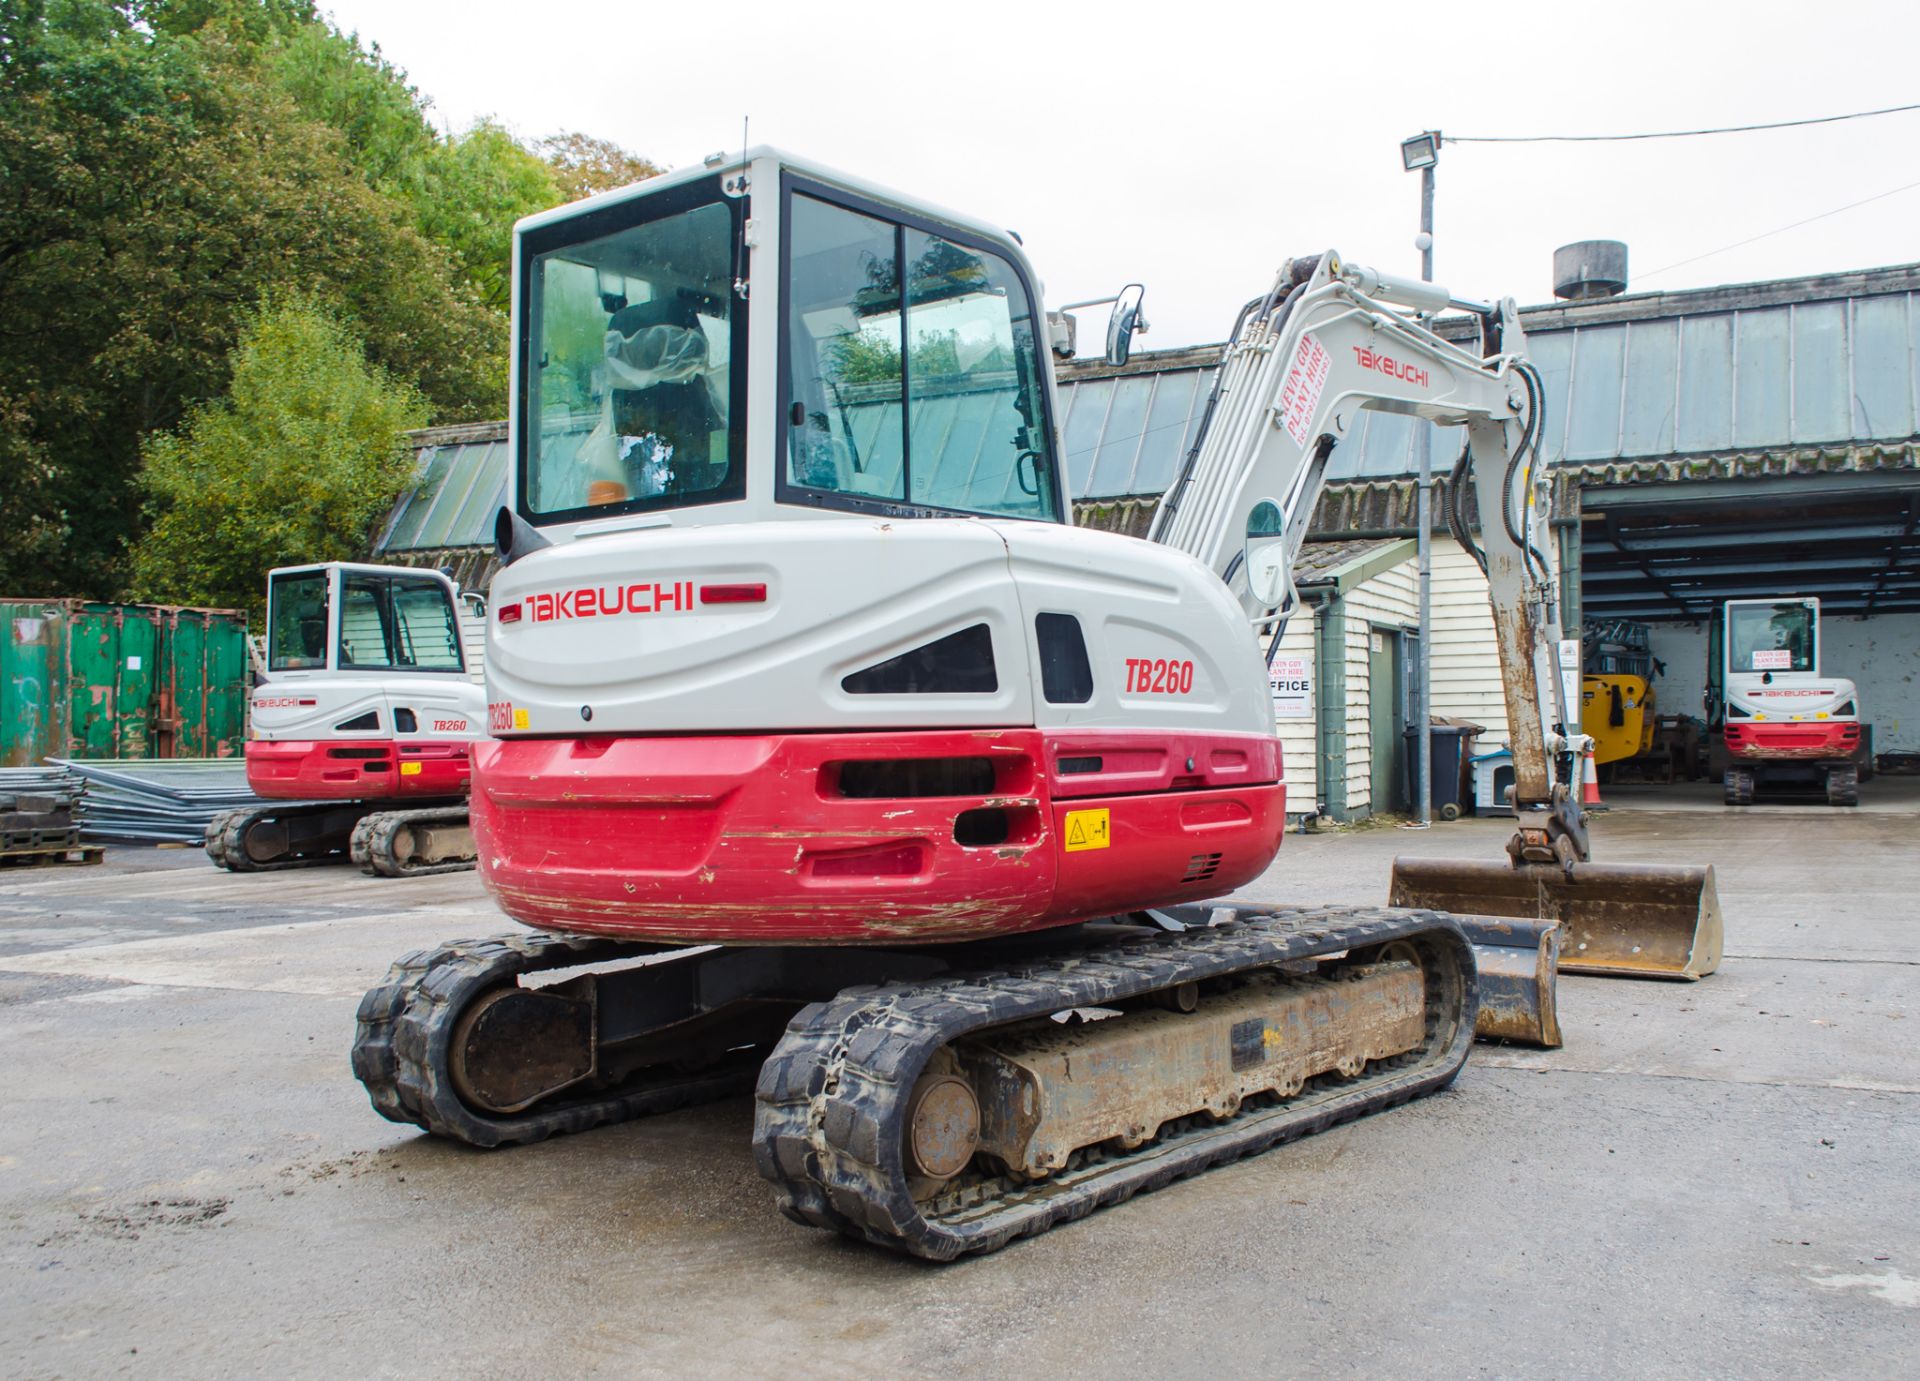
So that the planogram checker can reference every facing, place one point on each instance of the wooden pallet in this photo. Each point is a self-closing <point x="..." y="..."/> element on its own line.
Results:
<point x="49" y="854"/>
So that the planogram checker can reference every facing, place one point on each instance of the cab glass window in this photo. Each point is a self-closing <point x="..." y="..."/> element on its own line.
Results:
<point x="1771" y="637"/>
<point x="629" y="376"/>
<point x="403" y="622"/>
<point x="913" y="372"/>
<point x="844" y="323"/>
<point x="297" y="621"/>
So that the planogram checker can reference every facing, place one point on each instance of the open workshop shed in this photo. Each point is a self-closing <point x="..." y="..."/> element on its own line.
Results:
<point x="1756" y="440"/>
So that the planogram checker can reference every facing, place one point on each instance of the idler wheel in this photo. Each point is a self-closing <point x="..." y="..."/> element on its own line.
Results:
<point x="267" y="841"/>
<point x="943" y="1126"/>
<point x="516" y="1045"/>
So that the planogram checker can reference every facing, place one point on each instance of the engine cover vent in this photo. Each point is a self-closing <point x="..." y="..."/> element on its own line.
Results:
<point x="1201" y="867"/>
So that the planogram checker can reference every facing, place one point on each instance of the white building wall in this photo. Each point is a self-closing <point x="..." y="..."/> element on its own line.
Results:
<point x="1466" y="666"/>
<point x="1466" y="669"/>
<point x="1300" y="738"/>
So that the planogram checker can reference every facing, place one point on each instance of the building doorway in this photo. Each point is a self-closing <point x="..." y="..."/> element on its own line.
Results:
<point x="1387" y="683"/>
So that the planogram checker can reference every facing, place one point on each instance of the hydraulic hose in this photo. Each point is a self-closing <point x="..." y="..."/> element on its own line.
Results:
<point x="1170" y="504"/>
<point x="1457" y="507"/>
<point x="1256" y="308"/>
<point x="1527" y="451"/>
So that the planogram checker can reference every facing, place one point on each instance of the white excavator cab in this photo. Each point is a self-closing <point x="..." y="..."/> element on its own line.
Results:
<point x="377" y="620"/>
<point x="775" y="342"/>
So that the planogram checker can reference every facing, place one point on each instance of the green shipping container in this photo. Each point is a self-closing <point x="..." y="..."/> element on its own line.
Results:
<point x="86" y="680"/>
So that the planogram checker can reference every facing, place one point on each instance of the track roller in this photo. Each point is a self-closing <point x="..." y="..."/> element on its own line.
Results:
<point x="414" y="843"/>
<point x="1072" y="1088"/>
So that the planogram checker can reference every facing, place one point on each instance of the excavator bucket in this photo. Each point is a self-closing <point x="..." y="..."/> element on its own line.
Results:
<point x="1626" y="920"/>
<point x="1518" y="961"/>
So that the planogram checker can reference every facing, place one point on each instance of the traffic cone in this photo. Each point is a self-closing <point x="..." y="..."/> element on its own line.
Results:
<point x="1590" y="783"/>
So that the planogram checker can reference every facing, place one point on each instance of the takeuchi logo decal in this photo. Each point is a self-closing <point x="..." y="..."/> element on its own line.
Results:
<point x="1369" y="358"/>
<point x="597" y="601"/>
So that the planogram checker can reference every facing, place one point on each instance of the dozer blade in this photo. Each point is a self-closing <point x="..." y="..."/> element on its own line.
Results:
<point x="1626" y="920"/>
<point x="1518" y="961"/>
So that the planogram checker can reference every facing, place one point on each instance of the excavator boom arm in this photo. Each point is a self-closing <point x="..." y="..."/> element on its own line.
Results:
<point x="1328" y="341"/>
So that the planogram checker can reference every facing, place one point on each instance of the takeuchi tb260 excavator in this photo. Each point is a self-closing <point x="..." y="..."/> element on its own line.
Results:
<point x="361" y="726"/>
<point x="827" y="757"/>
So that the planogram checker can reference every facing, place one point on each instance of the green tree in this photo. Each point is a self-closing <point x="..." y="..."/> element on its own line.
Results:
<point x="358" y="93"/>
<point x="164" y="165"/>
<point x="298" y="463"/>
<point x="467" y="194"/>
<point x="153" y="186"/>
<point x="463" y="191"/>
<point x="583" y="165"/>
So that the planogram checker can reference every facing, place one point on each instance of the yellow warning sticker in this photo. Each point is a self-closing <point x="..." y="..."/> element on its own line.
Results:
<point x="519" y="719"/>
<point x="1088" y="829"/>
<point x="409" y="769"/>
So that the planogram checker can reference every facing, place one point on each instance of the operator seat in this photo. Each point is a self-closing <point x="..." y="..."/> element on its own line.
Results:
<point x="678" y="414"/>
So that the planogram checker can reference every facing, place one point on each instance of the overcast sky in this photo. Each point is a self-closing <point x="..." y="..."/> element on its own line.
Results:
<point x="1192" y="151"/>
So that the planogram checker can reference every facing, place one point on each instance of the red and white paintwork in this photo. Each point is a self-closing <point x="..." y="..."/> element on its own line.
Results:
<point x="748" y="838"/>
<point x="1784" y="715"/>
<point x="662" y="763"/>
<point x="356" y="769"/>
<point x="1806" y="741"/>
<point x="700" y="800"/>
<point x="299" y="752"/>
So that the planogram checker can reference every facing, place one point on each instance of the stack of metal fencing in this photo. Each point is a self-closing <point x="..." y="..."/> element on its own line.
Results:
<point x="155" y="800"/>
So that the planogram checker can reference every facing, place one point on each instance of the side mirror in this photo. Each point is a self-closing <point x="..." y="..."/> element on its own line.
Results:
<point x="1268" y="578"/>
<point x="1126" y="320"/>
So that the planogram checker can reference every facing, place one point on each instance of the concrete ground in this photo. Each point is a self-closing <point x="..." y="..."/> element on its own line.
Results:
<point x="1709" y="1180"/>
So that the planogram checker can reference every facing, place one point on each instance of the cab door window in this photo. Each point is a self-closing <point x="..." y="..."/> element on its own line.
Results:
<point x="844" y="327"/>
<point x="297" y="621"/>
<point x="913" y="374"/>
<point x="975" y="428"/>
<point x="399" y="622"/>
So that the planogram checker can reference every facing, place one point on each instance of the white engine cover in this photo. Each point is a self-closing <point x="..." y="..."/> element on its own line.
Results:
<point x="313" y="704"/>
<point x="1792" y="696"/>
<point x="612" y="634"/>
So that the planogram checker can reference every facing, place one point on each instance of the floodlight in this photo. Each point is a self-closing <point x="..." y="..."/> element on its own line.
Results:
<point x="1421" y="151"/>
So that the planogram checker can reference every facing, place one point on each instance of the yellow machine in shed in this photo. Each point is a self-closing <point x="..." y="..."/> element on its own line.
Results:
<point x="1616" y="690"/>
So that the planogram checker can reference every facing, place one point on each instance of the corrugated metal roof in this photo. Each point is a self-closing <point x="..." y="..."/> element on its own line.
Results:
<point x="1387" y="505"/>
<point x="1653" y="386"/>
<point x="1802" y="362"/>
<point x="1321" y="559"/>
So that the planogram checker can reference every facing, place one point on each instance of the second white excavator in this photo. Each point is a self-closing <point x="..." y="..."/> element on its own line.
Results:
<point x="359" y="728"/>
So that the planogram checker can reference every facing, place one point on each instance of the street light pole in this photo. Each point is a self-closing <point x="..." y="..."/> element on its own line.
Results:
<point x="1423" y="152"/>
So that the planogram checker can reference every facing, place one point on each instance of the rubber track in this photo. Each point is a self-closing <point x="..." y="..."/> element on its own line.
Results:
<point x="372" y="846"/>
<point x="404" y="1034"/>
<point x="1843" y="786"/>
<point x="227" y="831"/>
<point x="216" y="841"/>
<point x="831" y="1100"/>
